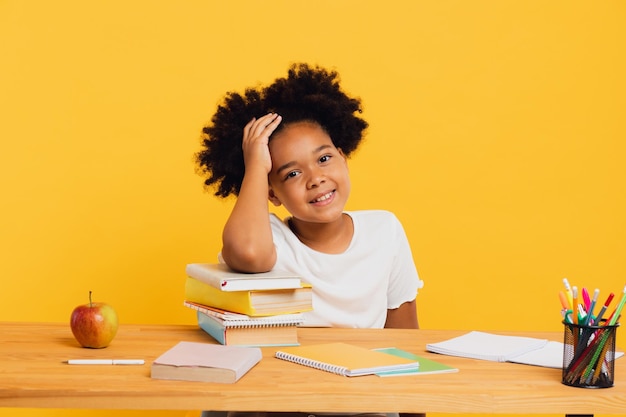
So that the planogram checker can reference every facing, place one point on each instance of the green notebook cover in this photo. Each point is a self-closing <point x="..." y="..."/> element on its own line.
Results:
<point x="427" y="366"/>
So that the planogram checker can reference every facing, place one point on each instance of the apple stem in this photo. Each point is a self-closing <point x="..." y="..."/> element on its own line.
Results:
<point x="90" y="299"/>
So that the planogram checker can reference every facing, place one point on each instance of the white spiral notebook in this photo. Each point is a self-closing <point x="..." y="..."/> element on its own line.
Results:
<point x="240" y="330"/>
<point x="230" y="319"/>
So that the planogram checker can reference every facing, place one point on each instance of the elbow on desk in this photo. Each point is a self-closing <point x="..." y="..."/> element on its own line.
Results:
<point x="249" y="261"/>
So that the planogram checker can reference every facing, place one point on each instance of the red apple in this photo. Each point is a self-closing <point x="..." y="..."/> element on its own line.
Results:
<point x="94" y="325"/>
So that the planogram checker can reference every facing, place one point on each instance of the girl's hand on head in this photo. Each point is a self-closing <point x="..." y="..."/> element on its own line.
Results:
<point x="256" y="136"/>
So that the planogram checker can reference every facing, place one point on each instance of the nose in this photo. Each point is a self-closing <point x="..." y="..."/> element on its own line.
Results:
<point x="315" y="179"/>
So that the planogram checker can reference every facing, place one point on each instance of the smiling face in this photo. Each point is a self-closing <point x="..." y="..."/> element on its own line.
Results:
<point x="309" y="174"/>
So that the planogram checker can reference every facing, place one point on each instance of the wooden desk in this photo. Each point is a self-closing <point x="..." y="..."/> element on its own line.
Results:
<point x="32" y="374"/>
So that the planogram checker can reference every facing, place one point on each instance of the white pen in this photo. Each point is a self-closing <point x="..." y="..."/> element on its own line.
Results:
<point x="105" y="362"/>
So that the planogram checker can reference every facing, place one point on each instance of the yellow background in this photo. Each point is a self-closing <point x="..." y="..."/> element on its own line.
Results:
<point x="497" y="136"/>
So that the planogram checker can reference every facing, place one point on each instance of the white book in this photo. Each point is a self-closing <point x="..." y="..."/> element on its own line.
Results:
<point x="549" y="356"/>
<point x="223" y="278"/>
<point x="504" y="348"/>
<point x="487" y="346"/>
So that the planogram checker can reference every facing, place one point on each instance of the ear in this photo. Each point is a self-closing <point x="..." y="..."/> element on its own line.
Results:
<point x="272" y="197"/>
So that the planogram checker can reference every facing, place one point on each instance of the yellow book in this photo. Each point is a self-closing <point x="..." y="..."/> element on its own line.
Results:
<point x="252" y="302"/>
<point x="346" y="359"/>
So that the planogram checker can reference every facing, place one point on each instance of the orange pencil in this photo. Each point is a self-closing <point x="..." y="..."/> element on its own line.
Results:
<point x="564" y="301"/>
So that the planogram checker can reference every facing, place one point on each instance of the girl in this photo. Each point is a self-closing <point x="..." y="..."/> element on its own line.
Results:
<point x="297" y="135"/>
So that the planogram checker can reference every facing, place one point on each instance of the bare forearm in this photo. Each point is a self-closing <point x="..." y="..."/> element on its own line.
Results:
<point x="247" y="240"/>
<point x="247" y="236"/>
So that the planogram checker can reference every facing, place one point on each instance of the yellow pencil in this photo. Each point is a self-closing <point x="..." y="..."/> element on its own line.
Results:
<point x="599" y="366"/>
<point x="575" y="304"/>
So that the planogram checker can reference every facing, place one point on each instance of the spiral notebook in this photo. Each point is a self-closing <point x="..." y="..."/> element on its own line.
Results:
<point x="240" y="330"/>
<point x="232" y="319"/>
<point x="345" y="359"/>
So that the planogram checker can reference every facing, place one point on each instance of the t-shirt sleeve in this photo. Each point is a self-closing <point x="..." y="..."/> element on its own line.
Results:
<point x="404" y="281"/>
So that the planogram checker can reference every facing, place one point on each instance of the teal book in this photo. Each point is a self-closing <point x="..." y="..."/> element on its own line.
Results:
<point x="427" y="366"/>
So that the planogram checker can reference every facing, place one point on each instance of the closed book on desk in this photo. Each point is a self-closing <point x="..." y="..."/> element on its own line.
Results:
<point x="427" y="366"/>
<point x="251" y="303"/>
<point x="227" y="329"/>
<point x="223" y="278"/>
<point x="345" y="359"/>
<point x="191" y="361"/>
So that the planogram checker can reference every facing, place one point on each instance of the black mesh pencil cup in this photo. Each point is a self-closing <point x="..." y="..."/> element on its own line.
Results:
<point x="589" y="355"/>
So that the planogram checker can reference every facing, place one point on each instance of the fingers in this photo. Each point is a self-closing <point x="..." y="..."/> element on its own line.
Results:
<point x="262" y="127"/>
<point x="256" y="136"/>
<point x="246" y="129"/>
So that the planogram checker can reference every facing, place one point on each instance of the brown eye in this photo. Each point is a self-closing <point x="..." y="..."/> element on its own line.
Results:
<point x="291" y="174"/>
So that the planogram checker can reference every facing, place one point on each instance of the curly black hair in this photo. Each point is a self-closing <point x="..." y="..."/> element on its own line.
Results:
<point x="307" y="94"/>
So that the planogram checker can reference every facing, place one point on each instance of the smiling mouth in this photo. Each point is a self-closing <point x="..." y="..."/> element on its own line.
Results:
<point x="323" y="197"/>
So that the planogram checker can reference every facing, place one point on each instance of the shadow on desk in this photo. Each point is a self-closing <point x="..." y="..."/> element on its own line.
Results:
<point x="225" y="413"/>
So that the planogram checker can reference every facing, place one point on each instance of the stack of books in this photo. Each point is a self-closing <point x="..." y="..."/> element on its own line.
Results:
<point x="247" y="309"/>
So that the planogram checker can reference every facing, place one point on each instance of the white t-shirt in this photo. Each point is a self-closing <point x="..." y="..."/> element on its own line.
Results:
<point x="354" y="288"/>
